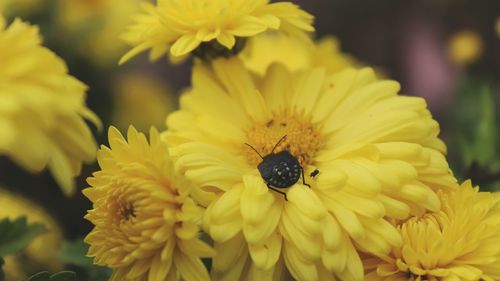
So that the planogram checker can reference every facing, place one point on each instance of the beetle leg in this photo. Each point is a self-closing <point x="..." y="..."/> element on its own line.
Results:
<point x="280" y="192"/>
<point x="304" y="178"/>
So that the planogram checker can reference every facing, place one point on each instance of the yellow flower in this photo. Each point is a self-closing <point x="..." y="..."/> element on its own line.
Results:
<point x="41" y="253"/>
<point x="181" y="26"/>
<point x="42" y="107"/>
<point x="146" y="223"/>
<point x="498" y="26"/>
<point x="295" y="54"/>
<point x="142" y="101"/>
<point x="465" y="47"/>
<point x="94" y="27"/>
<point x="378" y="155"/>
<point x="460" y="242"/>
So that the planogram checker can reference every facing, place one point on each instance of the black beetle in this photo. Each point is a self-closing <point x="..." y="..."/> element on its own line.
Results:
<point x="314" y="173"/>
<point x="280" y="170"/>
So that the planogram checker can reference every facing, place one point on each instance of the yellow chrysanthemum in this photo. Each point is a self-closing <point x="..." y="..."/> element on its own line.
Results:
<point x="295" y="54"/>
<point x="465" y="47"/>
<point x="41" y="253"/>
<point x="94" y="27"/>
<point x="42" y="107"/>
<point x="146" y="223"/>
<point x="460" y="242"/>
<point x="142" y="101"/>
<point x="378" y="155"/>
<point x="180" y="26"/>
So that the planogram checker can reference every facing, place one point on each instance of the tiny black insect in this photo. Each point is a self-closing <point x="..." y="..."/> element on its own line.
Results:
<point x="280" y="170"/>
<point x="314" y="173"/>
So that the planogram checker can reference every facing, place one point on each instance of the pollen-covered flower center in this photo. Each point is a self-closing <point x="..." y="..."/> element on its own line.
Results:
<point x="303" y="139"/>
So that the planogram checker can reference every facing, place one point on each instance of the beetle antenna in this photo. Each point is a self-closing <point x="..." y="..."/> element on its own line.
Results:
<point x="254" y="150"/>
<point x="278" y="143"/>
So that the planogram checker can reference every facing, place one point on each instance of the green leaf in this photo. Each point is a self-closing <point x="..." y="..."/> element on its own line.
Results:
<point x="474" y="147"/>
<point x="17" y="234"/>
<point x="75" y="253"/>
<point x="486" y="132"/>
<point x="61" y="276"/>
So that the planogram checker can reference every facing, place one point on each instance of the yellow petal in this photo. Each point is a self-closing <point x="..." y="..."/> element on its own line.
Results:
<point x="229" y="253"/>
<point x="239" y="84"/>
<point x="306" y="201"/>
<point x="191" y="269"/>
<point x="275" y="87"/>
<point x="184" y="45"/>
<point x="298" y="267"/>
<point x="159" y="268"/>
<point x="61" y="170"/>
<point x="134" y="52"/>
<point x="226" y="39"/>
<point x="266" y="255"/>
<point x="248" y="26"/>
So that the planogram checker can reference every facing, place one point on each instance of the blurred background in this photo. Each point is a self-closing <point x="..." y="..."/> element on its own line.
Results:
<point x="447" y="51"/>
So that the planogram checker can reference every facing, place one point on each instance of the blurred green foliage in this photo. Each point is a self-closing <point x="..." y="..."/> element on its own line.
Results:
<point x="75" y="253"/>
<point x="475" y="137"/>
<point x="17" y="234"/>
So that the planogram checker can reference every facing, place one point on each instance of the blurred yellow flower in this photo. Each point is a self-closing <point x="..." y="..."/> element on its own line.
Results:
<point x="94" y="26"/>
<point x="146" y="223"/>
<point x="460" y="242"/>
<point x="465" y="47"/>
<point x="498" y="26"/>
<point x="295" y="54"/>
<point x="142" y="101"/>
<point x="42" y="108"/>
<point x="378" y="155"/>
<point x="41" y="253"/>
<point x="180" y="27"/>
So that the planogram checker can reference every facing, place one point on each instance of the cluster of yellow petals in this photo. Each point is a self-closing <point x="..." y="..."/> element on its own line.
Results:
<point x="273" y="47"/>
<point x="146" y="222"/>
<point x="378" y="155"/>
<point x="180" y="26"/>
<point x="459" y="242"/>
<point x="42" y="107"/>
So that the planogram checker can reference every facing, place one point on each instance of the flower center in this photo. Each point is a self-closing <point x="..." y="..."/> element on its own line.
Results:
<point x="127" y="211"/>
<point x="302" y="140"/>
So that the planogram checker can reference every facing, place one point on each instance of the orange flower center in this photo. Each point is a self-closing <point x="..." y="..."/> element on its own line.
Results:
<point x="303" y="139"/>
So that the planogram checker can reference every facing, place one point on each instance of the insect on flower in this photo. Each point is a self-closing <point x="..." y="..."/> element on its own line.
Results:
<point x="314" y="173"/>
<point x="280" y="170"/>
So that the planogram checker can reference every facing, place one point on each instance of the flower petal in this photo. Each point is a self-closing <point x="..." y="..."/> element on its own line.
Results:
<point x="184" y="45"/>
